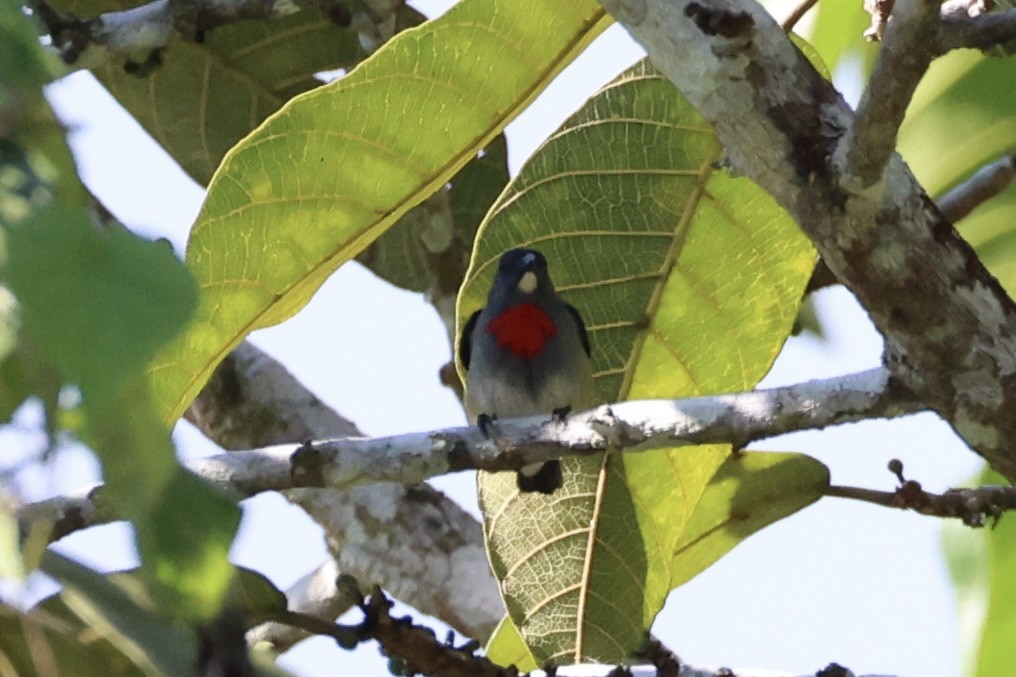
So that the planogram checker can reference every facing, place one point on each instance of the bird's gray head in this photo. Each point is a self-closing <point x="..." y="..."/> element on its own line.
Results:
<point x="521" y="273"/>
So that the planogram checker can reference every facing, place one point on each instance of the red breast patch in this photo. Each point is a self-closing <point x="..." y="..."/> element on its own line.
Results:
<point x="523" y="329"/>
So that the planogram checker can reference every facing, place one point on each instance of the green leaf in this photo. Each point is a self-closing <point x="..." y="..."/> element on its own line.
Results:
<point x="337" y="166"/>
<point x="101" y="302"/>
<point x="838" y="31"/>
<point x="750" y="491"/>
<point x="35" y="162"/>
<point x="23" y="369"/>
<point x="430" y="244"/>
<point x="689" y="281"/>
<point x="257" y="596"/>
<point x="98" y="304"/>
<point x="204" y="97"/>
<point x="961" y="119"/>
<point x="120" y="611"/>
<point x="506" y="647"/>
<point x="52" y="635"/>
<point x="22" y="60"/>
<point x="981" y="562"/>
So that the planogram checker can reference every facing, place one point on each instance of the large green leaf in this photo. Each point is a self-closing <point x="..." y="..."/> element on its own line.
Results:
<point x="337" y="166"/>
<point x="750" y="491"/>
<point x="689" y="281"/>
<point x="960" y="119"/>
<point x="428" y="249"/>
<point x="203" y="97"/>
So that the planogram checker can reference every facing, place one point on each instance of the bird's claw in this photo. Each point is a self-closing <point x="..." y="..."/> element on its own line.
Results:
<point x="560" y="414"/>
<point x="485" y="423"/>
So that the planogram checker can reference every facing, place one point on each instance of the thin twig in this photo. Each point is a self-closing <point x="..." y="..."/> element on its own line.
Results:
<point x="986" y="183"/>
<point x="803" y="8"/>
<point x="971" y="506"/>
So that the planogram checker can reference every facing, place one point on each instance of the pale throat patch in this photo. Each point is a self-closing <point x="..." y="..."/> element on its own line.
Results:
<point x="527" y="283"/>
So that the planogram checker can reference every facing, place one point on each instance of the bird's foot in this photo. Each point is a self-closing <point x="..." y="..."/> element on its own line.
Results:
<point x="485" y="423"/>
<point x="560" y="415"/>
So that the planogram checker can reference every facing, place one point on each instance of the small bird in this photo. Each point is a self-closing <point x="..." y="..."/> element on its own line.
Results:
<point x="525" y="353"/>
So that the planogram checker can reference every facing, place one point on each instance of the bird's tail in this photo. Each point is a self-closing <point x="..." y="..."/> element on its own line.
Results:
<point x="542" y="477"/>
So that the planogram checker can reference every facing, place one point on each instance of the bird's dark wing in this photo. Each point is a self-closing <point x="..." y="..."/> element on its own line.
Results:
<point x="466" y="338"/>
<point x="583" y="336"/>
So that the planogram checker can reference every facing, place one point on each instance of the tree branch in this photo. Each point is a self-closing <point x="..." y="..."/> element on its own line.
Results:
<point x="415" y="649"/>
<point x="315" y="595"/>
<point x="986" y="183"/>
<point x="903" y="59"/>
<point x="987" y="32"/>
<point x="797" y="14"/>
<point x="970" y="505"/>
<point x="635" y="426"/>
<point x="948" y="324"/>
<point x="414" y="541"/>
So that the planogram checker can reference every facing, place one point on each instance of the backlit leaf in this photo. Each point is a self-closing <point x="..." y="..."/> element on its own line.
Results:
<point x="337" y="166"/>
<point x="689" y="281"/>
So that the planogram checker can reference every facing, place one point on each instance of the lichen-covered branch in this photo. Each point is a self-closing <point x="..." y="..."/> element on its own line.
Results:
<point x="950" y="328"/>
<point x="414" y="541"/>
<point x="902" y="60"/>
<point x="635" y="426"/>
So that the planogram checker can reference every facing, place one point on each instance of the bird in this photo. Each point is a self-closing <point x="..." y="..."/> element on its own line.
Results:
<point x="525" y="353"/>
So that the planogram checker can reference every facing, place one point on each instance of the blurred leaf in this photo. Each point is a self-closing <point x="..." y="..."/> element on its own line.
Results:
<point x="506" y="647"/>
<point x="23" y="369"/>
<point x="981" y="562"/>
<point x="415" y="251"/>
<point x="257" y="596"/>
<point x="98" y="303"/>
<point x="689" y="281"/>
<point x="838" y="32"/>
<point x="119" y="611"/>
<point x="23" y="63"/>
<point x="53" y="636"/>
<point x="965" y="551"/>
<point x="336" y="167"/>
<point x="959" y="120"/>
<point x="35" y="162"/>
<point x="750" y="491"/>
